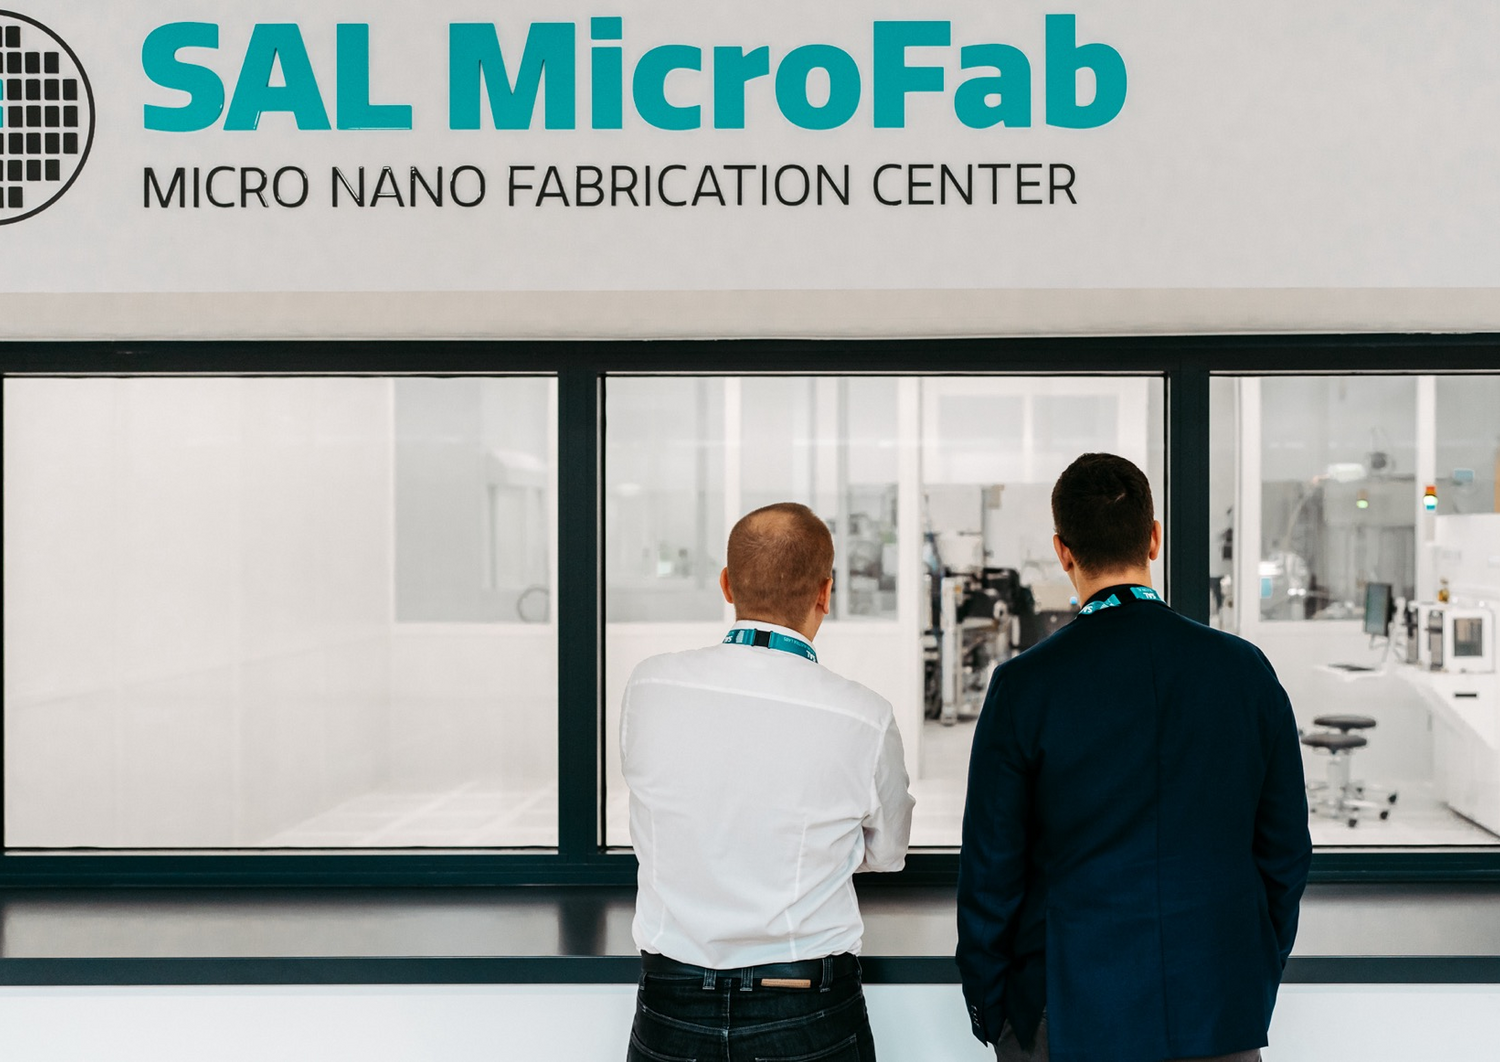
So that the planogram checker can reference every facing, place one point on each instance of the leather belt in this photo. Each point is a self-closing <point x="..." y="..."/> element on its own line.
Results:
<point x="806" y="973"/>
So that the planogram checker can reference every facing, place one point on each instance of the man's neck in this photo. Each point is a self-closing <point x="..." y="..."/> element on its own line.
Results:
<point x="1089" y="584"/>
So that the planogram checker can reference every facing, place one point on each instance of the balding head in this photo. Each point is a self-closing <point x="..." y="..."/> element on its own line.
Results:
<point x="779" y="559"/>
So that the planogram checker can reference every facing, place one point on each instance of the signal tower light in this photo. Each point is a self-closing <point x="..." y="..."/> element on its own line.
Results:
<point x="1429" y="498"/>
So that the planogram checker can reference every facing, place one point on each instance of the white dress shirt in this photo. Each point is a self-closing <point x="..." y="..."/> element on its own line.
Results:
<point x="760" y="782"/>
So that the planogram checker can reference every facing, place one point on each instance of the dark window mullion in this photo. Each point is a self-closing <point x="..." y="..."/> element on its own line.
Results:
<point x="579" y="441"/>
<point x="1186" y="513"/>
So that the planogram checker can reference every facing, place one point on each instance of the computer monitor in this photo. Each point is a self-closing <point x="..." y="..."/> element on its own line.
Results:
<point x="1378" y="609"/>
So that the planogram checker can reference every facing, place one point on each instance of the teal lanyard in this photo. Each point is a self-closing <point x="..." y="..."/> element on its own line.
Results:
<point x="1141" y="593"/>
<point x="770" y="640"/>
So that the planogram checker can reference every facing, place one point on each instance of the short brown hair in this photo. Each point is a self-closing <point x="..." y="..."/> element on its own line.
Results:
<point x="1102" y="511"/>
<point x="779" y="557"/>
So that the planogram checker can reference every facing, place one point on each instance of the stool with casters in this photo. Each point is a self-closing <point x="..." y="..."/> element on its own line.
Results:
<point x="1341" y="796"/>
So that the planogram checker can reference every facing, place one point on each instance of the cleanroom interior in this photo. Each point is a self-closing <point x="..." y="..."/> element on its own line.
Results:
<point x="306" y="612"/>
<point x="937" y="491"/>
<point x="1327" y="492"/>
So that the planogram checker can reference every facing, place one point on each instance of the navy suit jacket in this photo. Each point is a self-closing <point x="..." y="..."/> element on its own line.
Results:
<point x="1135" y="840"/>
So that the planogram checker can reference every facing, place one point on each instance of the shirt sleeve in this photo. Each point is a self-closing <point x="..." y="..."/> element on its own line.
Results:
<point x="992" y="862"/>
<point x="887" y="824"/>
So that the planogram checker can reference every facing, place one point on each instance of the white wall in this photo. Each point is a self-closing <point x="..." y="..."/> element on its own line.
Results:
<point x="587" y="1023"/>
<point x="1347" y="192"/>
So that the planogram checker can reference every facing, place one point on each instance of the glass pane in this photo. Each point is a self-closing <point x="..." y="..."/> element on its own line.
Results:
<point x="935" y="489"/>
<point x="663" y="501"/>
<point x="279" y="613"/>
<point x="848" y="476"/>
<point x="1347" y="513"/>
<point x="1223" y="487"/>
<point x="1467" y="475"/>
<point x="1338" y="458"/>
<point x="473" y="501"/>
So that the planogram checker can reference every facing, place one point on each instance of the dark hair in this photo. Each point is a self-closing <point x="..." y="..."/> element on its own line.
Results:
<point x="1101" y="509"/>
<point x="779" y="557"/>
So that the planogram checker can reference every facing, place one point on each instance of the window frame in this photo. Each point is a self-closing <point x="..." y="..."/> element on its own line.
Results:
<point x="1185" y="363"/>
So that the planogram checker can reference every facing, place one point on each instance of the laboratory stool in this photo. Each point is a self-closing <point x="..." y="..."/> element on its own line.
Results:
<point x="1341" y="796"/>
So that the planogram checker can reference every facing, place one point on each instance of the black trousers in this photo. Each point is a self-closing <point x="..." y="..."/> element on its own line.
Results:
<point x="812" y="1011"/>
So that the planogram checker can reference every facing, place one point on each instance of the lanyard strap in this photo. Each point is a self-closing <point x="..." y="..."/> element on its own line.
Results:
<point x="770" y="640"/>
<point x="1141" y="593"/>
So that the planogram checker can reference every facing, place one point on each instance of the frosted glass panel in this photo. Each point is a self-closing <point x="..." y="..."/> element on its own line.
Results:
<point x="207" y="589"/>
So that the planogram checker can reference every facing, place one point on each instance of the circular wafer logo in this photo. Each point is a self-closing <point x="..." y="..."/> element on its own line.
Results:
<point x="46" y="117"/>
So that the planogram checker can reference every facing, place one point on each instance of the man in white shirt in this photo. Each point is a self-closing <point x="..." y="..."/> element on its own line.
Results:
<point x="760" y="783"/>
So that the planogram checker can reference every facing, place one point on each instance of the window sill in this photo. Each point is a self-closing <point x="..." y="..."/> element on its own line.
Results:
<point x="1351" y="934"/>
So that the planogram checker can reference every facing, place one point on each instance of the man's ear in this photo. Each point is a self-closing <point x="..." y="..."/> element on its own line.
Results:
<point x="1155" y="550"/>
<point x="825" y="596"/>
<point x="724" y="585"/>
<point x="1064" y="555"/>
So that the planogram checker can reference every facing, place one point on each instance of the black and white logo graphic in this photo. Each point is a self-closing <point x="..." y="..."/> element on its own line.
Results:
<point x="46" y="117"/>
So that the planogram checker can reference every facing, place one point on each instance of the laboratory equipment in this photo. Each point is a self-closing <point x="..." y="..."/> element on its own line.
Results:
<point x="980" y="613"/>
<point x="1430" y="652"/>
<point x="1323" y="538"/>
<point x="977" y="626"/>
<point x="1380" y="608"/>
<point x="1457" y="639"/>
<point x="1455" y="667"/>
<point x="1468" y="640"/>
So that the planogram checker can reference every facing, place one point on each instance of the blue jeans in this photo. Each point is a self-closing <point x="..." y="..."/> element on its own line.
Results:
<point x="689" y="1014"/>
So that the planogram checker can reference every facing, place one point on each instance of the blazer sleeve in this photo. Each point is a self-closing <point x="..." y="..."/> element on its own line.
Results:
<point x="1283" y="847"/>
<point x="992" y="864"/>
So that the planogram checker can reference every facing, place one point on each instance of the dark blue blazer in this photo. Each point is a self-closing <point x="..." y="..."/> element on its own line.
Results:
<point x="1135" y="841"/>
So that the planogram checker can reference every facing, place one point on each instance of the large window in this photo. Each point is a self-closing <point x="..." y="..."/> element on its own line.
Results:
<point x="1346" y="510"/>
<point x="353" y="613"/>
<point x="937" y="492"/>
<point x="279" y="613"/>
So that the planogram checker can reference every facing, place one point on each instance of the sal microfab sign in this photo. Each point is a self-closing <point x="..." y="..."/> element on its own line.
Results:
<point x="996" y="88"/>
